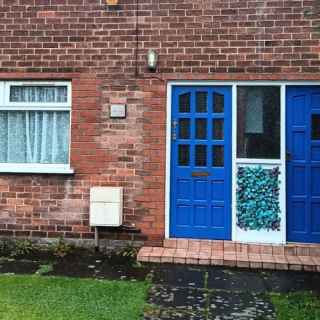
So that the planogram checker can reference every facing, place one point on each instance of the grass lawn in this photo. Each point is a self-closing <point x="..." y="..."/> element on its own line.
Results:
<point x="296" y="306"/>
<point x="57" y="298"/>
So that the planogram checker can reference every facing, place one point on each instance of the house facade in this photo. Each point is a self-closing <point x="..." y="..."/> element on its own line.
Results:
<point x="221" y="141"/>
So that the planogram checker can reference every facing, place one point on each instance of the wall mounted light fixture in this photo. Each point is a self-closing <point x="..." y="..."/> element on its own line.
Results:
<point x="152" y="60"/>
<point x="112" y="2"/>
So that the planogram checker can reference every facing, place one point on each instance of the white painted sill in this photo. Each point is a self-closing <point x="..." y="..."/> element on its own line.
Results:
<point x="35" y="168"/>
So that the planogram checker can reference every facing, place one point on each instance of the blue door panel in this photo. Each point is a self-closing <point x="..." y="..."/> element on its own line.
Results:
<point x="315" y="217"/>
<point x="200" y="200"/>
<point x="303" y="166"/>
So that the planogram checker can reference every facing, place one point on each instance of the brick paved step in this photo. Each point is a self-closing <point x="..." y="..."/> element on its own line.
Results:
<point x="228" y="253"/>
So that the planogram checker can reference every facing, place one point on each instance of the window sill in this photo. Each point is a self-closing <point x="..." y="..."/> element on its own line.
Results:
<point x="35" y="168"/>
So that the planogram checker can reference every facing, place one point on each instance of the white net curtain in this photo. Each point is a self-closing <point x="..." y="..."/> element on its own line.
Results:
<point x="35" y="136"/>
<point x="43" y="94"/>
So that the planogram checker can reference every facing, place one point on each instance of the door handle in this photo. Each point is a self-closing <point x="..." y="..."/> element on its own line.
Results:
<point x="200" y="174"/>
<point x="288" y="156"/>
<point x="174" y="130"/>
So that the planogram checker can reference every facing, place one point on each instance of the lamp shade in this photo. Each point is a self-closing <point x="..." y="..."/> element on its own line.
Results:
<point x="112" y="2"/>
<point x="152" y="59"/>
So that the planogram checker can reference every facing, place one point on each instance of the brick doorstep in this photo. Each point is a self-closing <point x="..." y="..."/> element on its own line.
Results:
<point x="202" y="252"/>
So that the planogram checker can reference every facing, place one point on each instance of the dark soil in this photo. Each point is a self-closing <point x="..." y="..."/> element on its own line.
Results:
<point x="80" y="263"/>
<point x="18" y="266"/>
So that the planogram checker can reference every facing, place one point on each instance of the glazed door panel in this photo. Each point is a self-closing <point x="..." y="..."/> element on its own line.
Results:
<point x="201" y="163"/>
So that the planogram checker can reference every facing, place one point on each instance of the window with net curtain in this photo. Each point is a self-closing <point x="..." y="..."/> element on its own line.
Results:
<point x="32" y="135"/>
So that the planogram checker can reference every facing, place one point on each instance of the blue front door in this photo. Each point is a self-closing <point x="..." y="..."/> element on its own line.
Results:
<point x="303" y="164"/>
<point x="200" y="201"/>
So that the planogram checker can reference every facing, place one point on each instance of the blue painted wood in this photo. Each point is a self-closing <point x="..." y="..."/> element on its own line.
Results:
<point x="303" y="169"/>
<point x="201" y="206"/>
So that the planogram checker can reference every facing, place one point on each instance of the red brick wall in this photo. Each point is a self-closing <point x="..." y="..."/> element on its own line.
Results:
<point x="94" y="46"/>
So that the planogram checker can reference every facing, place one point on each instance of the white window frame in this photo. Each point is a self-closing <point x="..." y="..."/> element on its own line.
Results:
<point x="261" y="236"/>
<point x="7" y="105"/>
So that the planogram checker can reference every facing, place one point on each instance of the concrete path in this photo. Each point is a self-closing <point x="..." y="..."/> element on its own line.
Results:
<point x="192" y="293"/>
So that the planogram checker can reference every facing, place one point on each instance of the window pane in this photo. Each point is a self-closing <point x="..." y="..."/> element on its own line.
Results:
<point x="201" y="102"/>
<point x="184" y="128"/>
<point x="201" y="156"/>
<point x="218" y="103"/>
<point x="315" y="127"/>
<point x="201" y="128"/>
<point x="183" y="154"/>
<point x="217" y="156"/>
<point x="184" y="103"/>
<point x="38" y="94"/>
<point x="217" y="128"/>
<point x="34" y="137"/>
<point x="258" y="125"/>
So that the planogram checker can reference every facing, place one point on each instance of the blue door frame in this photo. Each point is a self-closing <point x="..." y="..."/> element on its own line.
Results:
<point x="303" y="163"/>
<point x="200" y="196"/>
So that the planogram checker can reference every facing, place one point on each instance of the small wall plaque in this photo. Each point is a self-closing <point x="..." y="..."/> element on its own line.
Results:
<point x="118" y="111"/>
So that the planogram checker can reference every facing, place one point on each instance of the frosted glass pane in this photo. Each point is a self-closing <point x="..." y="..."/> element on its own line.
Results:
<point x="201" y="128"/>
<point x="184" y="128"/>
<point x="183" y="155"/>
<point x="201" y="102"/>
<point x="218" y="130"/>
<point x="218" y="103"/>
<point x="201" y="155"/>
<point x="184" y="103"/>
<point x="254" y="118"/>
<point x="218" y="156"/>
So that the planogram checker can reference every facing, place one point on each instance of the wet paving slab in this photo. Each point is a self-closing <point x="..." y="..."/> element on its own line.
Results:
<point x="179" y="275"/>
<point x="185" y="292"/>
<point x="177" y="297"/>
<point x="243" y="306"/>
<point x="192" y="303"/>
<point x="173" y="314"/>
<point x="285" y="282"/>
<point x="222" y="278"/>
<point x="232" y="279"/>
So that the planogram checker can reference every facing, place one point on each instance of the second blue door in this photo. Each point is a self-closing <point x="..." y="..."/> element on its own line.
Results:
<point x="200" y="201"/>
<point x="303" y="164"/>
